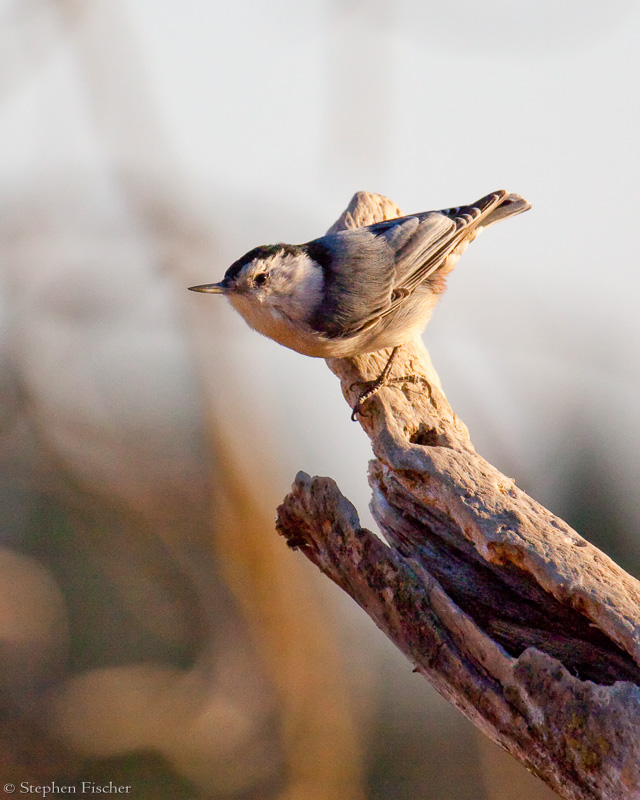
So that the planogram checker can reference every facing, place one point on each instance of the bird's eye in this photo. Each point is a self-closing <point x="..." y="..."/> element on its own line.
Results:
<point x="260" y="279"/>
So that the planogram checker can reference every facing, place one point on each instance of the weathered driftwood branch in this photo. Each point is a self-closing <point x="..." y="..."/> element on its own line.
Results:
<point x="528" y="629"/>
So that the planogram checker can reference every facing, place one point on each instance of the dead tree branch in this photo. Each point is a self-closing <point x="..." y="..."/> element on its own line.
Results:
<point x="529" y="630"/>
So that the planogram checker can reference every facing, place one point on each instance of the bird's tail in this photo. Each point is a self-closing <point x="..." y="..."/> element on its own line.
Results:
<point x="470" y="221"/>
<point x="492" y="208"/>
<point x="511" y="205"/>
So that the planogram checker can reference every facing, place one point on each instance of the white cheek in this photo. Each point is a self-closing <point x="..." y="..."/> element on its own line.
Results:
<point x="306" y="292"/>
<point x="283" y="315"/>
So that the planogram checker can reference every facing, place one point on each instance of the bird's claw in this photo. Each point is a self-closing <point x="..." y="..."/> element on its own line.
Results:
<point x="373" y="387"/>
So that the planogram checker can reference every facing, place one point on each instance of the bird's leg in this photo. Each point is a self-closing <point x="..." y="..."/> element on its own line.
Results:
<point x="373" y="387"/>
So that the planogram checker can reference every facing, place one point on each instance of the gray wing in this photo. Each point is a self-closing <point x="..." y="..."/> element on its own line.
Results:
<point x="437" y="235"/>
<point x="359" y="274"/>
<point x="370" y="271"/>
<point x="418" y="255"/>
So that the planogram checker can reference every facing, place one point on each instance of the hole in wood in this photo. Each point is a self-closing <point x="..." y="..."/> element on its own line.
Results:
<point x="428" y="437"/>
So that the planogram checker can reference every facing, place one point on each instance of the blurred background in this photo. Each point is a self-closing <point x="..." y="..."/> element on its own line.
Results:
<point x="154" y="632"/>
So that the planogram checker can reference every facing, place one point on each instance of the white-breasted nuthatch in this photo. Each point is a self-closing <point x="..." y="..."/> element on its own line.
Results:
<point x="358" y="290"/>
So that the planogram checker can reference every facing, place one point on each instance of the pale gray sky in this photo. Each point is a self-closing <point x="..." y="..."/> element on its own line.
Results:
<point x="276" y="113"/>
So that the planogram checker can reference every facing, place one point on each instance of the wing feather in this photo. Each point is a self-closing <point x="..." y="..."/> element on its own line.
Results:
<point x="405" y="251"/>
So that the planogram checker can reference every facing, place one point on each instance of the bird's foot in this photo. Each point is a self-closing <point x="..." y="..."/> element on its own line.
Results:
<point x="373" y="387"/>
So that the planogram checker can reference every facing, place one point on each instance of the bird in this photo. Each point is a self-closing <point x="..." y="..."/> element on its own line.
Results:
<point x="359" y="290"/>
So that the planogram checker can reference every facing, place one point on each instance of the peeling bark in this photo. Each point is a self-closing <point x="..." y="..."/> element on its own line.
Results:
<point x="529" y="630"/>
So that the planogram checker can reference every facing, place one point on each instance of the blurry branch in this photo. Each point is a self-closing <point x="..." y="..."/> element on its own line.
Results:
<point x="529" y="630"/>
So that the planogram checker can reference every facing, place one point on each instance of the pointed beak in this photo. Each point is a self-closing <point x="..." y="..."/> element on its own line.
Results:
<point x="210" y="288"/>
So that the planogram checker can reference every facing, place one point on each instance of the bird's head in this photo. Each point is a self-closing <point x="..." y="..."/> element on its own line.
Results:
<point x="282" y="277"/>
